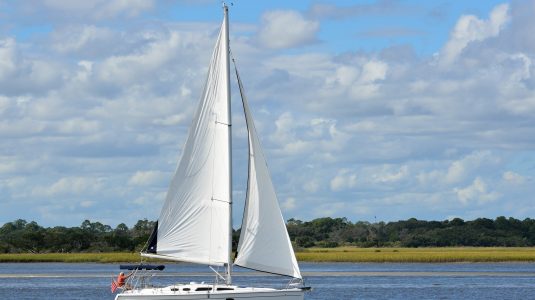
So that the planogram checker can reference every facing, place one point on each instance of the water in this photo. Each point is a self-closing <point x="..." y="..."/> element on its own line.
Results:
<point x="328" y="280"/>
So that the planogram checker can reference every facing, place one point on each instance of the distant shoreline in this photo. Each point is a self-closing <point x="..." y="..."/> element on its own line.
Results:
<point x="340" y="254"/>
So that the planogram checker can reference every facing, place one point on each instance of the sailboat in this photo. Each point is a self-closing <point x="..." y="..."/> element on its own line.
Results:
<point x="195" y="223"/>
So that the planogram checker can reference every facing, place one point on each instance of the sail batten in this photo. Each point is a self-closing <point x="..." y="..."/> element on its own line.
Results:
<point x="264" y="243"/>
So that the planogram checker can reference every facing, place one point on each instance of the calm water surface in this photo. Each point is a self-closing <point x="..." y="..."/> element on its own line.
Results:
<point x="328" y="280"/>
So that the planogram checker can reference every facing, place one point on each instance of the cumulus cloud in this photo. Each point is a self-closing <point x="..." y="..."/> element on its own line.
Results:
<point x="477" y="192"/>
<point x="22" y="75"/>
<point x="70" y="185"/>
<point x="126" y="68"/>
<point x="311" y="186"/>
<point x="289" y="204"/>
<point x="88" y="40"/>
<point x="387" y="175"/>
<point x="285" y="135"/>
<point x="7" y="58"/>
<point x="286" y="29"/>
<point x="460" y="169"/>
<point x="360" y="81"/>
<point x="144" y="178"/>
<point x="470" y="28"/>
<point x="513" y="178"/>
<point x="345" y="179"/>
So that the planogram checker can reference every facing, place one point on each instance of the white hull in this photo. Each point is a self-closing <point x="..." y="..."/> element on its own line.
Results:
<point x="187" y="292"/>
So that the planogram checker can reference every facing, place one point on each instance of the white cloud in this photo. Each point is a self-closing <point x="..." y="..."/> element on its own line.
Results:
<point x="366" y="125"/>
<point x="470" y="28"/>
<point x="70" y="186"/>
<point x="311" y="186"/>
<point x="460" y="169"/>
<point x="513" y="178"/>
<point x="78" y="126"/>
<point x="171" y="120"/>
<point x="152" y="200"/>
<point x="75" y="39"/>
<point x="360" y="81"/>
<point x="127" y="69"/>
<point x="289" y="204"/>
<point x="22" y="75"/>
<point x="387" y="175"/>
<point x="8" y="57"/>
<point x="87" y="203"/>
<point x="476" y="192"/>
<point x="344" y="180"/>
<point x="15" y="164"/>
<point x="456" y="171"/>
<point x="286" y="137"/>
<point x="5" y="103"/>
<point x="145" y="178"/>
<point x="373" y="70"/>
<point x="286" y="29"/>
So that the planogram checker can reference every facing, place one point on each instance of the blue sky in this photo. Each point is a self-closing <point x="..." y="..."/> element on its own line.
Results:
<point x="386" y="109"/>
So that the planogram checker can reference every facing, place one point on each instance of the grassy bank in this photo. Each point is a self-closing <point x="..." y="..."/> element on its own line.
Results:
<point x="341" y="254"/>
<point x="112" y="257"/>
<point x="420" y="255"/>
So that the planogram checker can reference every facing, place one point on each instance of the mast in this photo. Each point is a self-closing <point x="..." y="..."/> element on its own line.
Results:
<point x="227" y="74"/>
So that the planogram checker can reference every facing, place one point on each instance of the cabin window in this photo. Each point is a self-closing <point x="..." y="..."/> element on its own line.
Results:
<point x="225" y="289"/>
<point x="200" y="289"/>
<point x="186" y="289"/>
<point x="174" y="289"/>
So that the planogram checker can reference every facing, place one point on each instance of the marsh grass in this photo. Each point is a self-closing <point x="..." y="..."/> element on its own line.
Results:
<point x="420" y="255"/>
<point x="341" y="254"/>
<point x="112" y="257"/>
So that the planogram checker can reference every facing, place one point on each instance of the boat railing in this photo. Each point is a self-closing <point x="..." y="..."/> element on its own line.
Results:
<point x="295" y="283"/>
<point x="140" y="279"/>
<point x="141" y="275"/>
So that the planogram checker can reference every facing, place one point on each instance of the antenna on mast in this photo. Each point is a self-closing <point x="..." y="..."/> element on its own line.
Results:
<point x="224" y="3"/>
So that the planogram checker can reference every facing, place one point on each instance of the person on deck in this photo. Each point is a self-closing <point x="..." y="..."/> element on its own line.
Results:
<point x="121" y="279"/>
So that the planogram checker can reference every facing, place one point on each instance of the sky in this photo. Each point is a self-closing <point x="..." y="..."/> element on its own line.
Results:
<point x="370" y="110"/>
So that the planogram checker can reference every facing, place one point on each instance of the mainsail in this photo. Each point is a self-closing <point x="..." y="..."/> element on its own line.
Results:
<point x="264" y="242"/>
<point x="194" y="224"/>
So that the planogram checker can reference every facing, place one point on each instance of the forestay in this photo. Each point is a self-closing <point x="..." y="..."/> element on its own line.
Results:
<point x="264" y="242"/>
<point x="194" y="222"/>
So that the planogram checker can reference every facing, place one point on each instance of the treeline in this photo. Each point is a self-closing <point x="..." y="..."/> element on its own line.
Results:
<point x="22" y="236"/>
<point x="481" y="232"/>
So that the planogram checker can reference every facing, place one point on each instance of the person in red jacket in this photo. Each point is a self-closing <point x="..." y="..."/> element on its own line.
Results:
<point x="121" y="279"/>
